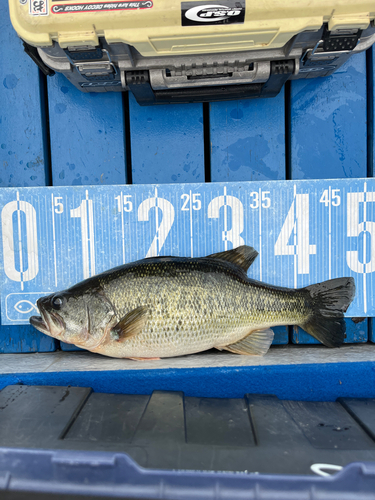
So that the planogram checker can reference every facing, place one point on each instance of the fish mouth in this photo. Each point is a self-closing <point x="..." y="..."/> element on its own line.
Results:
<point x="48" y="322"/>
<point x="38" y="323"/>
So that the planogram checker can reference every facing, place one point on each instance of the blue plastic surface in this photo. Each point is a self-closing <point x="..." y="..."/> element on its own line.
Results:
<point x="248" y="140"/>
<point x="87" y="136"/>
<point x="22" y="156"/>
<point x="21" y="141"/>
<point x="115" y="474"/>
<point x="303" y="382"/>
<point x="328" y="140"/>
<point x="166" y="143"/>
<point x="328" y="122"/>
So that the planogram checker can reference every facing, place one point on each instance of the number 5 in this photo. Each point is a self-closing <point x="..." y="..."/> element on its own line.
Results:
<point x="355" y="228"/>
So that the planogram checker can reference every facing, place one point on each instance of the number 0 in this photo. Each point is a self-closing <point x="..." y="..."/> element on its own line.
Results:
<point x="32" y="264"/>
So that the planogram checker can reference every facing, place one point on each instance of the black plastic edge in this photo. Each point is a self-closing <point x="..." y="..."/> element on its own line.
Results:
<point x="370" y="111"/>
<point x="206" y="141"/>
<point x="127" y="138"/>
<point x="288" y="130"/>
<point x="46" y="137"/>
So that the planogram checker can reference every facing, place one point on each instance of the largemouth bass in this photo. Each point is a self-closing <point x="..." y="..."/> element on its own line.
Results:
<point x="171" y="306"/>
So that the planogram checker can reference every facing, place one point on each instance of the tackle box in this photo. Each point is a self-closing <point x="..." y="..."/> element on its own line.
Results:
<point x="171" y="51"/>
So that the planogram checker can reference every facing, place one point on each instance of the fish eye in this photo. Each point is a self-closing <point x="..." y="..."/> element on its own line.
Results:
<point x="58" y="301"/>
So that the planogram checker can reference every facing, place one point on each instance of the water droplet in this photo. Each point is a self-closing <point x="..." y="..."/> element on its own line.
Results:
<point x="10" y="81"/>
<point x="60" y="108"/>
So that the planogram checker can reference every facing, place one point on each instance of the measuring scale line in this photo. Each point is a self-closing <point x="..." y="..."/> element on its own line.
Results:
<point x="122" y="226"/>
<point x="260" y="235"/>
<point x="19" y="238"/>
<point x="91" y="234"/>
<point x="54" y="237"/>
<point x="85" y="239"/>
<point x="295" y="234"/>
<point x="329" y="232"/>
<point x="191" y="224"/>
<point x="364" y="248"/>
<point x="225" y="219"/>
<point x="157" y="242"/>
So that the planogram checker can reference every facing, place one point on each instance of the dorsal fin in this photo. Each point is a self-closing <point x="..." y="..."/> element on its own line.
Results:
<point x="242" y="256"/>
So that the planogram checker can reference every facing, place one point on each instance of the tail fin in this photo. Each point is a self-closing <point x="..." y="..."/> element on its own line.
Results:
<point x="330" y="300"/>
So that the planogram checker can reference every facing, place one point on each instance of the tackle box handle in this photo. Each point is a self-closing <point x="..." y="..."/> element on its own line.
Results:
<point x="139" y="84"/>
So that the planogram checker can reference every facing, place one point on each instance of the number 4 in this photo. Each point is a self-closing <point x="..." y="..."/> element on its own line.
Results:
<point x="297" y="221"/>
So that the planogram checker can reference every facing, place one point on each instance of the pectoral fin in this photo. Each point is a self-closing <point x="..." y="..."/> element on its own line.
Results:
<point x="131" y="324"/>
<point x="256" y="343"/>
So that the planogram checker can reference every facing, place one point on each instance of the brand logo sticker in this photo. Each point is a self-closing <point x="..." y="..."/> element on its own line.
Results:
<point x="197" y="13"/>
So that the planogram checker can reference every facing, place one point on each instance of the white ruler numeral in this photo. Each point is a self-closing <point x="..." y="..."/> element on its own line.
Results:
<point x="237" y="220"/>
<point x="162" y="228"/>
<point x="86" y="213"/>
<point x="297" y="223"/>
<point x="355" y="228"/>
<point x="27" y="270"/>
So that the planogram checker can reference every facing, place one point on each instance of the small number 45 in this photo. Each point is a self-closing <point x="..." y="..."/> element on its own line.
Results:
<point x="331" y="196"/>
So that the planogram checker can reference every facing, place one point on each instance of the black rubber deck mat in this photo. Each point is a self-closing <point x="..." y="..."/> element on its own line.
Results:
<point x="169" y="431"/>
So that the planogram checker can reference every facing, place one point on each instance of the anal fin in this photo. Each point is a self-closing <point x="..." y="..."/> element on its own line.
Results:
<point x="256" y="343"/>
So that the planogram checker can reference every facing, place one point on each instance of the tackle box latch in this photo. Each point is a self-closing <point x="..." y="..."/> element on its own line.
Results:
<point x="332" y="45"/>
<point x="341" y="40"/>
<point x="94" y="64"/>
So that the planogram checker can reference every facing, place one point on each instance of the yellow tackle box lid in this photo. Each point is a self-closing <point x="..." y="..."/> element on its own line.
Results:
<point x="166" y="27"/>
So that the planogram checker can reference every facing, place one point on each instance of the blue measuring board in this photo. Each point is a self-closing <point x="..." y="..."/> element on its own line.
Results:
<point x="54" y="237"/>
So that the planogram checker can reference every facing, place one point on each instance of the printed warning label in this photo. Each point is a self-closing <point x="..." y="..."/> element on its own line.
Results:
<point x="38" y="7"/>
<point x="99" y="7"/>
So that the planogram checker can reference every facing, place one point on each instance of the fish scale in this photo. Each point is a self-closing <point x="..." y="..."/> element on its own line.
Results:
<point x="171" y="306"/>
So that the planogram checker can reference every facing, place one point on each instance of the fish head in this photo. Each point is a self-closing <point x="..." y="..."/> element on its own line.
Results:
<point x="76" y="318"/>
